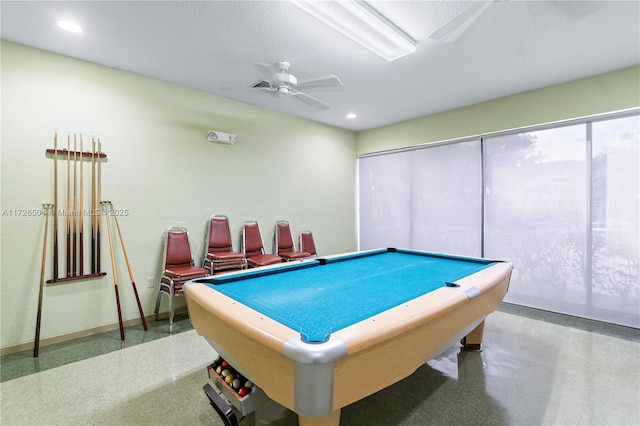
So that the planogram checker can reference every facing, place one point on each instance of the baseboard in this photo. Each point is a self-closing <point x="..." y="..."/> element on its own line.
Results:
<point x="84" y="333"/>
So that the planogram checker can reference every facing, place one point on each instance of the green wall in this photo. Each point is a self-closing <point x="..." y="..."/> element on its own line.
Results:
<point x="603" y="93"/>
<point x="161" y="170"/>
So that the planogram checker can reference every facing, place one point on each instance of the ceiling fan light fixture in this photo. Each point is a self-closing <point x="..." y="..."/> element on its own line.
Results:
<point x="363" y="24"/>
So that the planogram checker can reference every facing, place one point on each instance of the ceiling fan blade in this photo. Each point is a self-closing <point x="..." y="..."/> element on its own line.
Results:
<point x="326" y="83"/>
<point x="266" y="91"/>
<point x="453" y="29"/>
<point x="256" y="88"/>
<point x="310" y="100"/>
<point x="261" y="84"/>
<point x="267" y="70"/>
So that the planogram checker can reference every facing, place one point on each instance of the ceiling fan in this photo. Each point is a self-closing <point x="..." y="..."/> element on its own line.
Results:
<point x="283" y="84"/>
<point x="563" y="12"/>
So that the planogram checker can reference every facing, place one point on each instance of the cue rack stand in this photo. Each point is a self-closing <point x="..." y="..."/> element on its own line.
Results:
<point x="73" y="215"/>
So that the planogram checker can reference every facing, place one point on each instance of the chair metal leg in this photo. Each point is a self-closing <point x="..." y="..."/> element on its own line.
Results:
<point x="171" y="296"/>
<point x="208" y="265"/>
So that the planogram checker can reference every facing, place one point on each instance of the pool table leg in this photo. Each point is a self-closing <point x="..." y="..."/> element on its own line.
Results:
<point x="473" y="340"/>
<point x="331" y="419"/>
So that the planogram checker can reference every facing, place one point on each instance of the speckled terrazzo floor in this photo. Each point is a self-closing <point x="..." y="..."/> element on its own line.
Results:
<point x="536" y="369"/>
<point x="51" y="356"/>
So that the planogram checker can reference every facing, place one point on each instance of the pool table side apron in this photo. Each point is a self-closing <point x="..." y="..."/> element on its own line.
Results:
<point x="441" y="319"/>
<point x="249" y="341"/>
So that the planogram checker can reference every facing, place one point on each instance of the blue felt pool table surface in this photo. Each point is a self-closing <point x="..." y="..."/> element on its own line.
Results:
<point x="317" y="298"/>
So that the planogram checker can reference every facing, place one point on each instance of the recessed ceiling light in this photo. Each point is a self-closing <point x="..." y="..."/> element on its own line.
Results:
<point x="351" y="116"/>
<point x="70" y="26"/>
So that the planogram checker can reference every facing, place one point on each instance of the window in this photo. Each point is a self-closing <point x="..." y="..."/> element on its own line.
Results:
<point x="615" y="182"/>
<point x="561" y="203"/>
<point x="428" y="199"/>
<point x="535" y="217"/>
<point x="384" y="201"/>
<point x="446" y="206"/>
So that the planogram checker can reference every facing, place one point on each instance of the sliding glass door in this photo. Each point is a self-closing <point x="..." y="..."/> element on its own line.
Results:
<point x="536" y="214"/>
<point x="615" y="262"/>
<point x="561" y="203"/>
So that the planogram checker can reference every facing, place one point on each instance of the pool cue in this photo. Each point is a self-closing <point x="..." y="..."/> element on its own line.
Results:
<point x="93" y="206"/>
<point x="113" y="268"/>
<point x="126" y="258"/>
<point x="99" y="194"/>
<point x="68" y="205"/>
<point x="55" y="206"/>
<point x="36" y="343"/>
<point x="81" y="211"/>
<point x="74" y="218"/>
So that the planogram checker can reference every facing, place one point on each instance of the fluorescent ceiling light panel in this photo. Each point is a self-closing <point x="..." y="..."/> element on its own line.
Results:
<point x="360" y="22"/>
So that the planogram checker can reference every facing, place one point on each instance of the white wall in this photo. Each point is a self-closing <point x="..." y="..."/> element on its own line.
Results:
<point x="161" y="170"/>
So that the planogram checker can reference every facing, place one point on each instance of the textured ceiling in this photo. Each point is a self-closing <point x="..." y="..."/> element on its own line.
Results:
<point x="512" y="47"/>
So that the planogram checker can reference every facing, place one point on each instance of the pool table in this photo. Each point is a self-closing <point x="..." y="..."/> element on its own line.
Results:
<point x="317" y="335"/>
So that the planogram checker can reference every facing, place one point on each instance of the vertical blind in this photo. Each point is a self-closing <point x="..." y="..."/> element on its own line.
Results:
<point x="561" y="203"/>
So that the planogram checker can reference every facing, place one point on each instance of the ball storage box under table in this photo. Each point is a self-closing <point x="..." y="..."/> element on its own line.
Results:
<point x="246" y="404"/>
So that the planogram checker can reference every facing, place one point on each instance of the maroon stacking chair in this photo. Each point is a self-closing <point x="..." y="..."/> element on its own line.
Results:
<point x="179" y="267"/>
<point x="283" y="244"/>
<point x="307" y="243"/>
<point x="253" y="246"/>
<point x="220" y="255"/>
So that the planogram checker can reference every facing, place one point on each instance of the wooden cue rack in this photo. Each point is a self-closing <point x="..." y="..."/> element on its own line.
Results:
<point x="76" y="213"/>
<point x="73" y="215"/>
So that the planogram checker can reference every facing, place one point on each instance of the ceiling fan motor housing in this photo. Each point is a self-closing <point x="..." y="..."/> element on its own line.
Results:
<point x="285" y="79"/>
